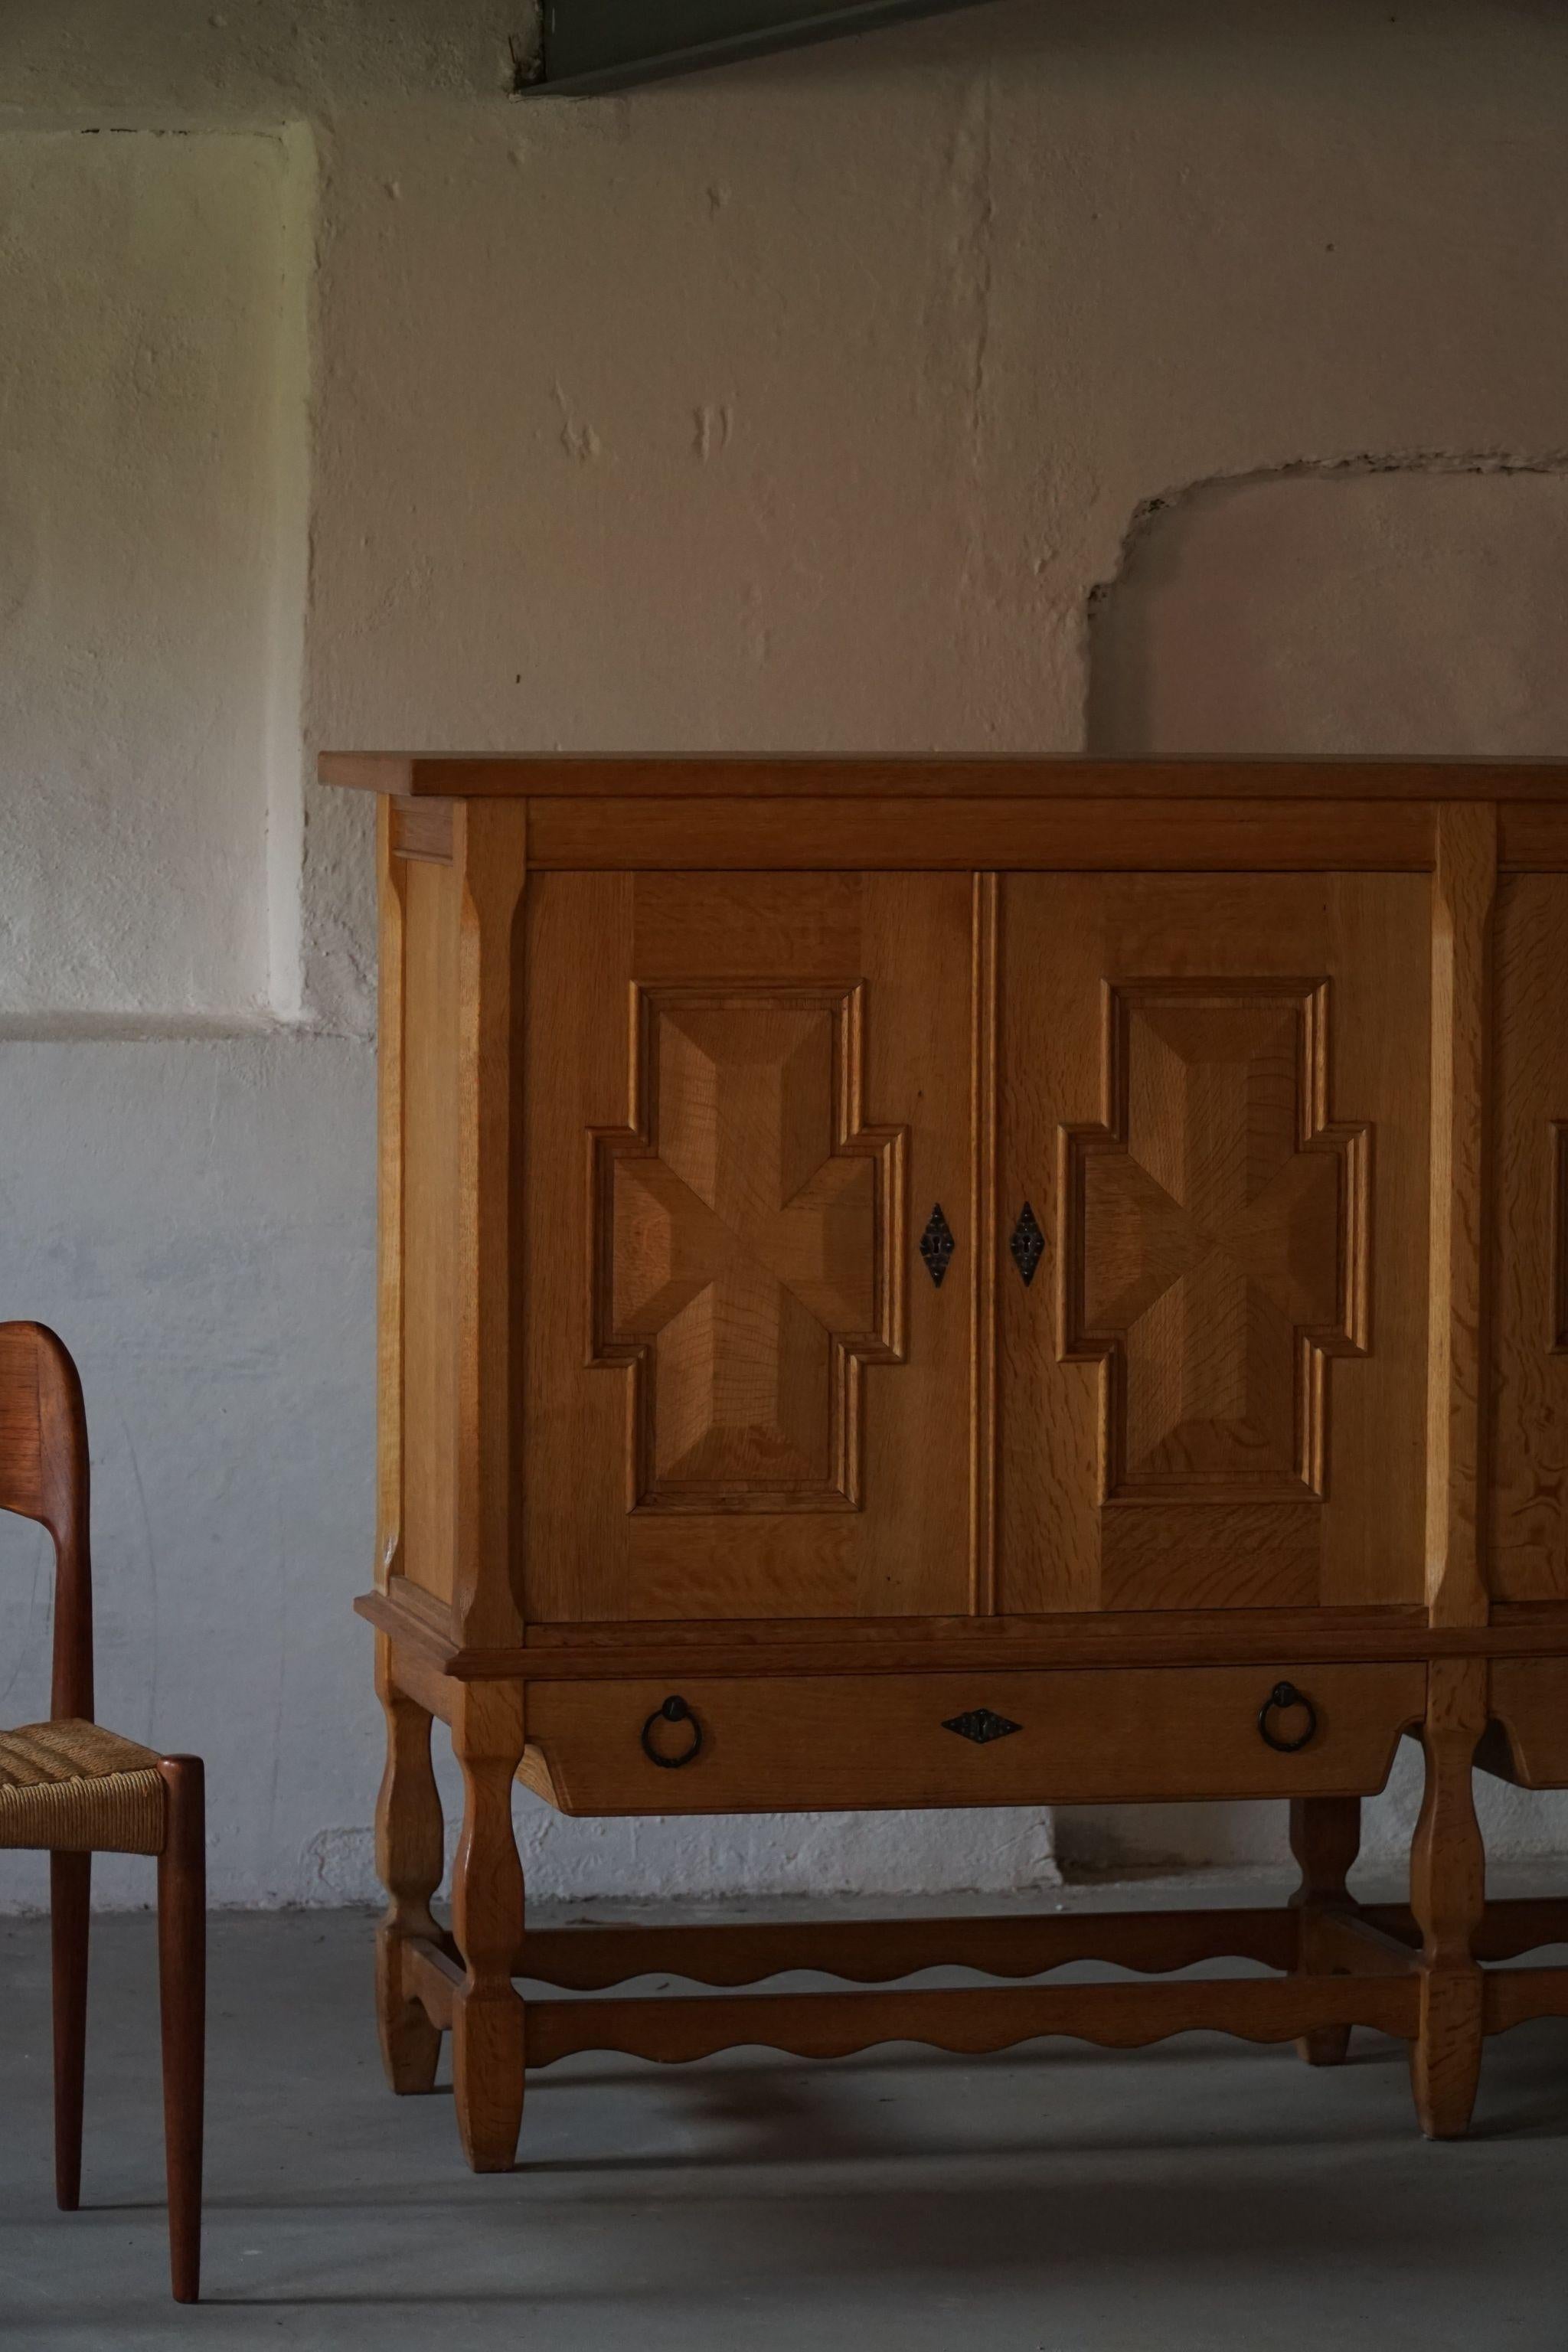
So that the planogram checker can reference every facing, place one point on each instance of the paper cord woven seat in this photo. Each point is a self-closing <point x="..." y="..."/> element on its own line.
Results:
<point x="76" y="1788"/>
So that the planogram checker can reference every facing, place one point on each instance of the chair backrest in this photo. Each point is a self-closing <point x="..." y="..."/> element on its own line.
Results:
<point x="43" y="1477"/>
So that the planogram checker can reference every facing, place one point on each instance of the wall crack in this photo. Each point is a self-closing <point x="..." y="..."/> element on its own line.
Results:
<point x="1352" y="463"/>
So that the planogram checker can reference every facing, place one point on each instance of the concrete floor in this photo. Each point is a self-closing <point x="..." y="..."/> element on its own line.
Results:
<point x="1203" y="2194"/>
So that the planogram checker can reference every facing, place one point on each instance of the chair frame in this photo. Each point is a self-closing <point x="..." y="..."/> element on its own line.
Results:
<point x="44" y="1477"/>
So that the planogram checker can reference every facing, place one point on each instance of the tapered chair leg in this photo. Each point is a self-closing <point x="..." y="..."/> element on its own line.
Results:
<point x="70" y="1900"/>
<point x="181" y="1979"/>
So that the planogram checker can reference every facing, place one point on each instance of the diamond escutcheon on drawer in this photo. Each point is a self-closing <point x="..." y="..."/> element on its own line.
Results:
<point x="821" y="1742"/>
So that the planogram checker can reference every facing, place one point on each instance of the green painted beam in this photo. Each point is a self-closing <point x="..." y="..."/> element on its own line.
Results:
<point x="597" y="45"/>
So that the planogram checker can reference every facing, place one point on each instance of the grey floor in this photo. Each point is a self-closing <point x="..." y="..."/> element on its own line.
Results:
<point x="1203" y="2194"/>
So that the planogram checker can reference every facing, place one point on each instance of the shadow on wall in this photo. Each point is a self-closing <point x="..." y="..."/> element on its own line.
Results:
<point x="1342" y="608"/>
<point x="1352" y="608"/>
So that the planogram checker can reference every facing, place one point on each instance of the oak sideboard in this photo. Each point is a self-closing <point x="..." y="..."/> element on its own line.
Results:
<point x="962" y="1283"/>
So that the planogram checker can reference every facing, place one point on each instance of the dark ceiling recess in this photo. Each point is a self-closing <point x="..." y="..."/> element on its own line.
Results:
<point x="595" y="44"/>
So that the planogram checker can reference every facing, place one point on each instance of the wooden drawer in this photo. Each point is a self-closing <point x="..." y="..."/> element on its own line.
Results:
<point x="842" y="1742"/>
<point x="1528" y="1738"/>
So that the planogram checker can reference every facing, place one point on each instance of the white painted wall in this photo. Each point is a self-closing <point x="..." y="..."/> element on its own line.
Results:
<point x="145" y="298"/>
<point x="806" y="405"/>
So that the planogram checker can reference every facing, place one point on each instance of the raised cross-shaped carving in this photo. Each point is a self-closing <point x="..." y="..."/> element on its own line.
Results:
<point x="1213" y="1240"/>
<point x="743" y="1244"/>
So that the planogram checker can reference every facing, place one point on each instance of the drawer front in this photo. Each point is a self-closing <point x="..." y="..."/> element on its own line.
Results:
<point x="847" y="1742"/>
<point x="1530" y="1700"/>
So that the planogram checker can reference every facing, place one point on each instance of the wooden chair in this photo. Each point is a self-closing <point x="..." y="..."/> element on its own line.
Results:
<point x="74" y="1790"/>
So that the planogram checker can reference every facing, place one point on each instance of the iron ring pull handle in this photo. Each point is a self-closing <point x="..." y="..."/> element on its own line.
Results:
<point x="1282" y="1696"/>
<point x="674" y="1710"/>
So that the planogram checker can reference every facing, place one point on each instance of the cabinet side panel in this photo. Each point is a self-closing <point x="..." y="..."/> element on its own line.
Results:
<point x="1527" y="1550"/>
<point x="430" y="1209"/>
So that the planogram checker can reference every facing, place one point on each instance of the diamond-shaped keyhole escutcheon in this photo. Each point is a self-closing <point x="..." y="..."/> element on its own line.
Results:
<point x="1027" y="1244"/>
<point x="982" y="1724"/>
<point x="937" y="1245"/>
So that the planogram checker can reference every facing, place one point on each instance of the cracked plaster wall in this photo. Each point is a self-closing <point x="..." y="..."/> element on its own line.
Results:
<point x="801" y="405"/>
<point x="1393" y="604"/>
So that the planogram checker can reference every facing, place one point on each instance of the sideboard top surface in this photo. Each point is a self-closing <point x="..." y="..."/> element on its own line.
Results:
<point x="452" y="775"/>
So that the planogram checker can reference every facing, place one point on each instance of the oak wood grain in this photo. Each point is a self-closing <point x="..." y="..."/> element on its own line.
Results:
<point x="1529" y="1705"/>
<point x="487" y="1927"/>
<point x="726" y="777"/>
<point x="875" y="1951"/>
<point x="748" y="1248"/>
<point x="1463" y="892"/>
<point x="1532" y="836"/>
<point x="491" y="863"/>
<point x="1521" y="1924"/>
<point x="1347" y="1938"/>
<point x="1213" y="1092"/>
<point x="765" y="1648"/>
<point x="1447" y="1899"/>
<point x="1527" y="1391"/>
<point x="677" y="1059"/>
<point x="420" y="1207"/>
<point x="836" y="2024"/>
<point x="1512" y="1997"/>
<point x="985" y="1257"/>
<point x="409" y="1861"/>
<point x="929" y="835"/>
<point x="392" y="991"/>
<point x="422" y="829"/>
<point x="1325" y="1838"/>
<point x="767" y="1089"/>
<point x="820" y="1743"/>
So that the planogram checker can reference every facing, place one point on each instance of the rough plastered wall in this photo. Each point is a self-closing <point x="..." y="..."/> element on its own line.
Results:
<point x="903" y="394"/>
<point x="1353" y="605"/>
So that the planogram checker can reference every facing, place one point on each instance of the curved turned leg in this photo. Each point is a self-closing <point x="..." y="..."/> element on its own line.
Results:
<point x="408" y="1857"/>
<point x="1448" y="1894"/>
<point x="486" y="1921"/>
<point x="71" y="1903"/>
<point x="1325" y="1838"/>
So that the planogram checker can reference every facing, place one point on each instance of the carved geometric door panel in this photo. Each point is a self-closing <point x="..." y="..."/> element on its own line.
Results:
<point x="1213" y="1241"/>
<point x="747" y="1397"/>
<point x="1213" y="1096"/>
<point x="747" y="1247"/>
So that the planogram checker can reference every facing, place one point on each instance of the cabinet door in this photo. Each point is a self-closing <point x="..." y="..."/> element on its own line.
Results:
<point x="743" y="1098"/>
<point x="1527" y="1550"/>
<point x="1214" y="1099"/>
